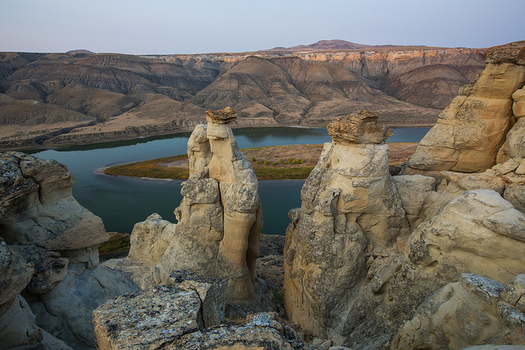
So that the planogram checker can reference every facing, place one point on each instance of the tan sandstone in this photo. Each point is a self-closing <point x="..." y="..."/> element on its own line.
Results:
<point x="471" y="130"/>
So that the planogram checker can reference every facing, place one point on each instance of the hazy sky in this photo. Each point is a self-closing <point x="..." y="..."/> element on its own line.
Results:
<point x="200" y="26"/>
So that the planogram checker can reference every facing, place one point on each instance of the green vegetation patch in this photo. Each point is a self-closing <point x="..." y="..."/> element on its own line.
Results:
<point x="115" y="244"/>
<point x="155" y="168"/>
<point x="281" y="173"/>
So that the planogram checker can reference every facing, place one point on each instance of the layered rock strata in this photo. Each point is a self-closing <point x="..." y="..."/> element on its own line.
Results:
<point x="349" y="203"/>
<point x="470" y="131"/>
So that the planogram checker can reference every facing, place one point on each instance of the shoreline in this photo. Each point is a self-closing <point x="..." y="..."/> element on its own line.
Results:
<point x="270" y="163"/>
<point x="154" y="136"/>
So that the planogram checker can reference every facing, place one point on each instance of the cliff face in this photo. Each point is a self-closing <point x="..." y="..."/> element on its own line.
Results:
<point x="84" y="97"/>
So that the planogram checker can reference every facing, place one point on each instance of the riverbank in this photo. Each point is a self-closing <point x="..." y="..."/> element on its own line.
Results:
<point x="43" y="142"/>
<point x="269" y="163"/>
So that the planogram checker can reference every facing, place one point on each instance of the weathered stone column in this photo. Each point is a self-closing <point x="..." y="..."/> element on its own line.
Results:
<point x="220" y="216"/>
<point x="349" y="202"/>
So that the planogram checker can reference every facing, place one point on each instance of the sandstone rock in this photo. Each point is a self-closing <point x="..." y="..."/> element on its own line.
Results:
<point x="415" y="192"/>
<point x="17" y="325"/>
<point x="220" y="217"/>
<point x="471" y="130"/>
<point x="478" y="232"/>
<point x="518" y="107"/>
<point x="50" y="268"/>
<point x="141" y="274"/>
<point x="39" y="209"/>
<point x="147" y="319"/>
<point x="261" y="331"/>
<point x="514" y="292"/>
<point x="460" y="314"/>
<point x="349" y="201"/>
<point x="211" y="291"/>
<point x="19" y="331"/>
<point x="149" y="239"/>
<point x="15" y="274"/>
<point x="223" y="116"/>
<point x="70" y="304"/>
<point x="509" y="53"/>
<point x="515" y="194"/>
<point x="361" y="127"/>
<point x="514" y="146"/>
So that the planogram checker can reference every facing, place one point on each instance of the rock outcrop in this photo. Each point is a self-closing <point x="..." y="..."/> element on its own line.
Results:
<point x="38" y="209"/>
<point x="219" y="219"/>
<point x="187" y="313"/>
<point x="49" y="252"/>
<point x="471" y="130"/>
<point x="465" y="210"/>
<point x="349" y="202"/>
<point x="473" y="311"/>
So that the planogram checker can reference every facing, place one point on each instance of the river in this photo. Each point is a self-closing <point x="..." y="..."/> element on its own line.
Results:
<point x="121" y="202"/>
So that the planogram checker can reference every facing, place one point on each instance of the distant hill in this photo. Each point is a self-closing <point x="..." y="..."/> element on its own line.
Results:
<point x="336" y="45"/>
<point x="323" y="45"/>
<point x="81" y="96"/>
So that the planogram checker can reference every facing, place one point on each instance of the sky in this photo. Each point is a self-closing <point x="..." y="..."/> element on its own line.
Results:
<point x="205" y="26"/>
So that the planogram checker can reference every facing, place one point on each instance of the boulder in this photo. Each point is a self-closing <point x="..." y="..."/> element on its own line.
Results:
<point x="514" y="291"/>
<point x="470" y="131"/>
<point x="416" y="193"/>
<point x="260" y="331"/>
<point x="478" y="232"/>
<point x="15" y="275"/>
<point x="66" y="310"/>
<point x="50" y="268"/>
<point x="467" y="312"/>
<point x="147" y="319"/>
<point x="38" y="208"/>
<point x="211" y="291"/>
<point x="150" y="239"/>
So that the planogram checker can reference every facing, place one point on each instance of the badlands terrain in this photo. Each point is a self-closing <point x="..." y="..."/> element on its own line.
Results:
<point x="49" y="99"/>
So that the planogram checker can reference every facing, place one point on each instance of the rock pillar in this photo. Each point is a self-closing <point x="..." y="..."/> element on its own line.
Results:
<point x="349" y="203"/>
<point x="220" y="216"/>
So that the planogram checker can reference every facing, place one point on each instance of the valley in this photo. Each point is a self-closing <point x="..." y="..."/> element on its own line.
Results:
<point x="83" y="97"/>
